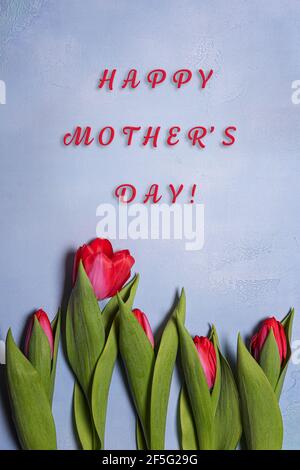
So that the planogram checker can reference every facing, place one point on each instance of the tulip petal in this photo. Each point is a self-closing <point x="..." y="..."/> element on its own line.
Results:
<point x="100" y="271"/>
<point x="207" y="356"/>
<point x="143" y="321"/>
<point x="46" y="326"/>
<point x="122" y="262"/>
<point x="101" y="245"/>
<point x="147" y="329"/>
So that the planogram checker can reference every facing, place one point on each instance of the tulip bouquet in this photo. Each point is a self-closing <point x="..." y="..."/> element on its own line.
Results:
<point x="214" y="409"/>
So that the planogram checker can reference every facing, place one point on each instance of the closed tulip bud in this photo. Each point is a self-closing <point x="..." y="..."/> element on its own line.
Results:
<point x="208" y="359"/>
<point x="143" y="321"/>
<point x="258" y="340"/>
<point x="107" y="271"/>
<point x="45" y="324"/>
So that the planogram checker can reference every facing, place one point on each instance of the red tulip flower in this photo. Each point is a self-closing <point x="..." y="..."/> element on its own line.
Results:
<point x="44" y="322"/>
<point x="143" y="321"/>
<point x="258" y="340"/>
<point x="107" y="271"/>
<point x="208" y="359"/>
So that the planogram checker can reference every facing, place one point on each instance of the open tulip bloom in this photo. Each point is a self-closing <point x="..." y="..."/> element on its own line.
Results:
<point x="31" y="382"/>
<point x="107" y="271"/>
<point x="91" y="334"/>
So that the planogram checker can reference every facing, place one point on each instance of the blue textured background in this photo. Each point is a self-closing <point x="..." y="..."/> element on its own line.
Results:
<point x="51" y="54"/>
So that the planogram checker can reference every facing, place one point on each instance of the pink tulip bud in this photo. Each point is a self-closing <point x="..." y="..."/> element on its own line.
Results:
<point x="143" y="321"/>
<point x="45" y="324"/>
<point x="208" y="359"/>
<point x="107" y="271"/>
<point x="258" y="340"/>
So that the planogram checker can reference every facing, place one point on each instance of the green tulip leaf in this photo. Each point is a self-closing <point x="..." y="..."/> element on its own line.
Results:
<point x="106" y="362"/>
<point x="197" y="389"/>
<point x="138" y="357"/>
<point x="83" y="421"/>
<point x="269" y="359"/>
<point x="215" y="393"/>
<point x="227" y="423"/>
<point x="287" y="324"/>
<point x="29" y="401"/>
<point x="261" y="416"/>
<point x="162" y="376"/>
<point x="56" y="324"/>
<point x="127" y="293"/>
<point x="39" y="355"/>
<point x="102" y="380"/>
<point x="140" y="439"/>
<point x="188" y="434"/>
<point x="85" y="335"/>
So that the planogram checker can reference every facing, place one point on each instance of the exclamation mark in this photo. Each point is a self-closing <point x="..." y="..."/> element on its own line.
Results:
<point x="193" y="193"/>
